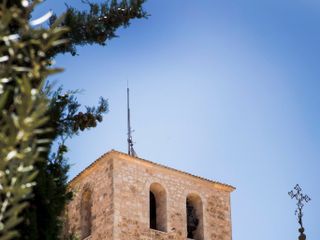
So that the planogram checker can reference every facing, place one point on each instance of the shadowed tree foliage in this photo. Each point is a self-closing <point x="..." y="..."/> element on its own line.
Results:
<point x="97" y="25"/>
<point x="50" y="194"/>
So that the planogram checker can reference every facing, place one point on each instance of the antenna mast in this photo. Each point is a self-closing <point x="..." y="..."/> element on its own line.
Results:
<point x="131" y="151"/>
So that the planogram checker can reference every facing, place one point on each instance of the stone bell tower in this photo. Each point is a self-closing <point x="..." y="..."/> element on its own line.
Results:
<point x="122" y="197"/>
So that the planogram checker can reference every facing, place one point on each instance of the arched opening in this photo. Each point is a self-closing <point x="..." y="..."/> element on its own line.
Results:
<point x="86" y="214"/>
<point x="194" y="217"/>
<point x="158" y="207"/>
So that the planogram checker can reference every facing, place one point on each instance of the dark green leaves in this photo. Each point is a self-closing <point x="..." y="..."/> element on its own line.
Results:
<point x="99" y="24"/>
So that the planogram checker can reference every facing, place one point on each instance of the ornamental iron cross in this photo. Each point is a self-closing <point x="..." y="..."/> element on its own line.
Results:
<point x="298" y="195"/>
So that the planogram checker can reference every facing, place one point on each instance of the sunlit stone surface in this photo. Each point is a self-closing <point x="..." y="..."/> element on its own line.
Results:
<point x="112" y="201"/>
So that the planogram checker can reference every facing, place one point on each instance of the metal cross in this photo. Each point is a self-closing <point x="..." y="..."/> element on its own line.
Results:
<point x="298" y="195"/>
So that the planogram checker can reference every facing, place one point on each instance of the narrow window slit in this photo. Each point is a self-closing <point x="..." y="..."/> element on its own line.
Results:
<point x="86" y="214"/>
<point x="153" y="212"/>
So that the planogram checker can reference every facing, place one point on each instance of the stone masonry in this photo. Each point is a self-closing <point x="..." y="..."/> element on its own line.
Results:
<point x="112" y="201"/>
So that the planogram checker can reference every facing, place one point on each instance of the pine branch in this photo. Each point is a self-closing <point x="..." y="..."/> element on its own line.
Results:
<point x="99" y="24"/>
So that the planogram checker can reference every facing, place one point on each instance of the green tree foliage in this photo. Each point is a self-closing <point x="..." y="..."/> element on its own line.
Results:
<point x="50" y="194"/>
<point x="67" y="117"/>
<point x="99" y="24"/>
<point x="23" y="108"/>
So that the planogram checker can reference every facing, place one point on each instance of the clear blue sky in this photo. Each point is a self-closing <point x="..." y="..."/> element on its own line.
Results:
<point x="227" y="90"/>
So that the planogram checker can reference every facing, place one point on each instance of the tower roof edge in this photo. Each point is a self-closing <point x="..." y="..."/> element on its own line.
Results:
<point x="218" y="185"/>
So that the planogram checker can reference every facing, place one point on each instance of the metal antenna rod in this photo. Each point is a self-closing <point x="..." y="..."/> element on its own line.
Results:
<point x="128" y="121"/>
<point x="131" y="151"/>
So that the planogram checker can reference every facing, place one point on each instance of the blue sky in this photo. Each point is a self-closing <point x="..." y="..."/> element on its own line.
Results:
<point x="227" y="90"/>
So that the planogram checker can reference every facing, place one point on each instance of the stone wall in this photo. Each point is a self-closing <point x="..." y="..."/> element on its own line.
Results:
<point x="132" y="181"/>
<point x="120" y="187"/>
<point x="100" y="181"/>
